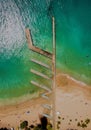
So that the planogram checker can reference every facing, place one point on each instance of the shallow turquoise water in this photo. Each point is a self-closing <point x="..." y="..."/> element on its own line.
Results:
<point x="73" y="40"/>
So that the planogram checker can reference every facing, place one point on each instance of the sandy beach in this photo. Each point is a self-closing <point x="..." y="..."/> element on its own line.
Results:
<point x="73" y="104"/>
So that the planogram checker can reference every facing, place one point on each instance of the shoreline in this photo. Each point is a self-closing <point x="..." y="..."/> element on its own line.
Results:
<point x="70" y="97"/>
<point x="24" y="98"/>
<point x="18" y="100"/>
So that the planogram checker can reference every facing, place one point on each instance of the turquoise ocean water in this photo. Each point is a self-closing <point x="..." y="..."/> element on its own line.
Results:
<point x="73" y="40"/>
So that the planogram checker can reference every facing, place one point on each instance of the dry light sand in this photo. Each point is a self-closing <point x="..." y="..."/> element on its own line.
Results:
<point x="73" y="103"/>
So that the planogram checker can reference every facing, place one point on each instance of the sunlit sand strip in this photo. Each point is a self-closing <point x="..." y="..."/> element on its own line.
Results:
<point x="69" y="77"/>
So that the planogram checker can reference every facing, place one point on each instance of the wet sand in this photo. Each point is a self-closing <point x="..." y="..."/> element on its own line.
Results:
<point x="73" y="104"/>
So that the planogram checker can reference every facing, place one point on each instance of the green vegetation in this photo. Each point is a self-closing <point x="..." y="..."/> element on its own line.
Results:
<point x="83" y="124"/>
<point x="75" y="119"/>
<point x="59" y="122"/>
<point x="24" y="125"/>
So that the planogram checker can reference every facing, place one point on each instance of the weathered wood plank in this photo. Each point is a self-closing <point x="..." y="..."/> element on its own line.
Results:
<point x="34" y="48"/>
<point x="41" y="86"/>
<point x="40" y="74"/>
<point x="40" y="63"/>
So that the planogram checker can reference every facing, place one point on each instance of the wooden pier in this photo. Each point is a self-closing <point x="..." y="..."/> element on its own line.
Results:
<point x="52" y="56"/>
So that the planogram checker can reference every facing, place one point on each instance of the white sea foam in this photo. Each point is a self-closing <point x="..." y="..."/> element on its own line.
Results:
<point x="11" y="27"/>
